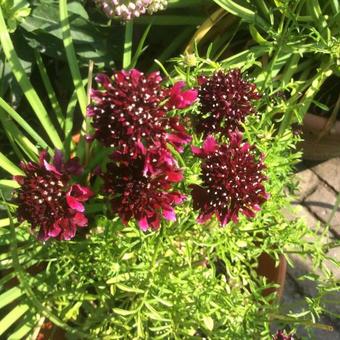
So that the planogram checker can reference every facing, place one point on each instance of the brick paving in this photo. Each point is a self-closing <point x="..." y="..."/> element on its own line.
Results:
<point x="319" y="186"/>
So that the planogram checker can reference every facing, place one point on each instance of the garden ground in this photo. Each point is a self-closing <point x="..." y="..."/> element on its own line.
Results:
<point x="319" y="185"/>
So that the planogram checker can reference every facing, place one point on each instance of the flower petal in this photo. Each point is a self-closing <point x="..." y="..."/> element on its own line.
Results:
<point x="50" y="167"/>
<point x="73" y="203"/>
<point x="80" y="219"/>
<point x="169" y="214"/>
<point x="143" y="224"/>
<point x="55" y="230"/>
<point x="210" y="145"/>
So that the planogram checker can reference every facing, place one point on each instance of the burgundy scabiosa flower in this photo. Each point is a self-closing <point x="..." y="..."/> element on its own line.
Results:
<point x="282" y="335"/>
<point x="232" y="180"/>
<point x="141" y="188"/>
<point x="130" y="111"/>
<point x="48" y="201"/>
<point x="226" y="99"/>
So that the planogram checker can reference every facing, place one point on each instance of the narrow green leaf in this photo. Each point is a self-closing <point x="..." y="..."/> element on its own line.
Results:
<point x="21" y="122"/>
<point x="118" y="278"/>
<point x="140" y="46"/>
<point x="321" y="106"/>
<point x="71" y="56"/>
<point x="17" y="137"/>
<point x="24" y="328"/>
<point x="49" y="89"/>
<point x="14" y="315"/>
<point x="69" y="113"/>
<point x="26" y="85"/>
<point x="163" y="302"/>
<point x="290" y="69"/>
<point x="8" y="166"/>
<point x="153" y="314"/>
<point x="239" y="59"/>
<point x="12" y="141"/>
<point x="128" y="44"/>
<point x="7" y="183"/>
<point x="243" y="12"/>
<point x="123" y="312"/>
<point x="335" y="6"/>
<point x="9" y="296"/>
<point x="4" y="222"/>
<point x="129" y="289"/>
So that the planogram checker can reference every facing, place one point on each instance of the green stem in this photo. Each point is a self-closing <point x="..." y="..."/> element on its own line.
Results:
<point x="87" y="125"/>
<point x="177" y="155"/>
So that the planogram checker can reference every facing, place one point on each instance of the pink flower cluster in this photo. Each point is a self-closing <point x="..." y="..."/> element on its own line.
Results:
<point x="130" y="113"/>
<point x="231" y="180"/>
<point x="226" y="98"/>
<point x="48" y="200"/>
<point x="232" y="176"/>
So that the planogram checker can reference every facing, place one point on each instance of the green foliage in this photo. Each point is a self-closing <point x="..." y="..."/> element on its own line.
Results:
<point x="15" y="11"/>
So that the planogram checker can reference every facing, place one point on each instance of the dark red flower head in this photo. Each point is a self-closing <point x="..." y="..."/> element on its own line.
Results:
<point x="282" y="335"/>
<point x="231" y="180"/>
<point x="130" y="111"/>
<point x="226" y="99"/>
<point x="48" y="201"/>
<point x="141" y="188"/>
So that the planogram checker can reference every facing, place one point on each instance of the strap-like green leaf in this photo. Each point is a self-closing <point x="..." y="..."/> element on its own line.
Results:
<point x="243" y="12"/>
<point x="49" y="89"/>
<point x="9" y="296"/>
<point x="26" y="85"/>
<point x="8" y="166"/>
<point x="8" y="183"/>
<point x="4" y="222"/>
<point x="71" y="56"/>
<point x="128" y="44"/>
<point x="26" y="326"/>
<point x="18" y="137"/>
<point x="14" y="315"/>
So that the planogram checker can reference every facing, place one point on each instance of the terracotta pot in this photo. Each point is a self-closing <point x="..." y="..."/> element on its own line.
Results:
<point x="266" y="267"/>
<point x="318" y="145"/>
<point x="48" y="331"/>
